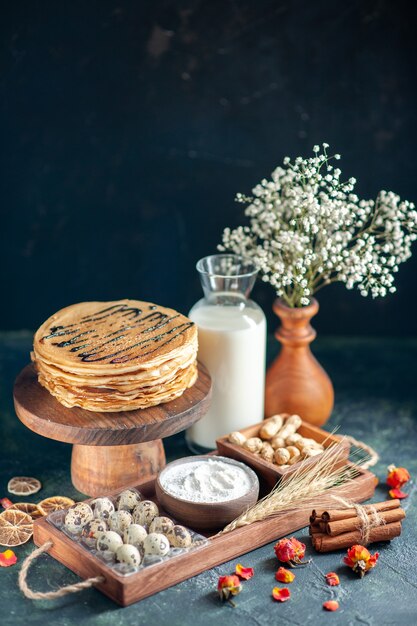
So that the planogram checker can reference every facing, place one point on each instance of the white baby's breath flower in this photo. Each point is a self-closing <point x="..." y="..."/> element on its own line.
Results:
<point x="308" y="229"/>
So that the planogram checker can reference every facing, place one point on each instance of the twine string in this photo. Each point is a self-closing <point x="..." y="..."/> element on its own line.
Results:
<point x="369" y="517"/>
<point x="373" y="456"/>
<point x="50" y="595"/>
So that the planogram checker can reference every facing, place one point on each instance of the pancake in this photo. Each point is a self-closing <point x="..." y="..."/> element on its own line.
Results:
<point x="106" y="400"/>
<point x="113" y="356"/>
<point x="115" y="336"/>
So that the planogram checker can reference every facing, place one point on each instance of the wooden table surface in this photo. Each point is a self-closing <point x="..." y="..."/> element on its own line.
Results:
<point x="376" y="401"/>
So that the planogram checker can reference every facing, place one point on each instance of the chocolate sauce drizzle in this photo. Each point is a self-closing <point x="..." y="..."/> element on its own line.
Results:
<point x="132" y="321"/>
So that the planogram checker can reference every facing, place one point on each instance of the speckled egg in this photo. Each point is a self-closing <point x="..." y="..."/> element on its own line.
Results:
<point x="127" y="500"/>
<point x="179" y="537"/>
<point x="161" y="525"/>
<point x="144" y="512"/>
<point x="156" y="544"/>
<point x="135" y="535"/>
<point x="92" y="529"/>
<point x="108" y="541"/>
<point x="128" y="554"/>
<point x="77" y="517"/>
<point x="103" y="507"/>
<point x="119" y="521"/>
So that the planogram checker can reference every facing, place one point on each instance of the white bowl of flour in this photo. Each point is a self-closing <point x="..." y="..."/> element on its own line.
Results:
<point x="206" y="491"/>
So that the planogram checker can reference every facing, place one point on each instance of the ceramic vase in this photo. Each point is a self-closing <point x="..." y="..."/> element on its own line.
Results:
<point x="295" y="381"/>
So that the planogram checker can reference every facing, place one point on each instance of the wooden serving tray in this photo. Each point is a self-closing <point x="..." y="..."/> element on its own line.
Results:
<point x="126" y="590"/>
<point x="272" y="472"/>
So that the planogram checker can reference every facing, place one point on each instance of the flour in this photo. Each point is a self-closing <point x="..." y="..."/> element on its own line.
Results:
<point x="206" y="481"/>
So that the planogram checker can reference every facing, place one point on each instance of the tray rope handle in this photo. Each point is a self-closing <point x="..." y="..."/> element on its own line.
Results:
<point x="373" y="456"/>
<point x="50" y="595"/>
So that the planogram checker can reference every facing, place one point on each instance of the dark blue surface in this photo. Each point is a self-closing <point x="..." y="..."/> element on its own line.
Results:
<point x="127" y="128"/>
<point x="375" y="401"/>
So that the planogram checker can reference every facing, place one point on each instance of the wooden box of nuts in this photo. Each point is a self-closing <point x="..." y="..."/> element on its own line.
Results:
<point x="276" y="447"/>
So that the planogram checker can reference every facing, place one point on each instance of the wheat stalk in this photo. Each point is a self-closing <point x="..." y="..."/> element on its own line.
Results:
<point x="301" y="488"/>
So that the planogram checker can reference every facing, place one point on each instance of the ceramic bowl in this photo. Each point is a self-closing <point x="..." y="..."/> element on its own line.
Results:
<point x="207" y="515"/>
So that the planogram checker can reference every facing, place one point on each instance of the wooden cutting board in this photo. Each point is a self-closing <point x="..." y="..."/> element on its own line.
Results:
<point x="126" y="590"/>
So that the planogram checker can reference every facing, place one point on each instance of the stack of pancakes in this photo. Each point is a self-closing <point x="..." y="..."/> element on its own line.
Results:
<point x="116" y="356"/>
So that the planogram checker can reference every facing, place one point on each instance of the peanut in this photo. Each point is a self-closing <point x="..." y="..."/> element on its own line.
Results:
<point x="295" y="458"/>
<point x="253" y="444"/>
<point x="281" y="456"/>
<point x="312" y="442"/>
<point x="271" y="427"/>
<point x="292" y="439"/>
<point x="237" y="438"/>
<point x="304" y="442"/>
<point x="277" y="442"/>
<point x="309" y="452"/>
<point x="293" y="451"/>
<point x="291" y="425"/>
<point x="295" y="455"/>
<point x="267" y="452"/>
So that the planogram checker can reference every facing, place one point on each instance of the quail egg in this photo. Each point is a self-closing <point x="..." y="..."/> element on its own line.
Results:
<point x="179" y="537"/>
<point x="161" y="525"/>
<point x="128" y="554"/>
<point x="103" y="507"/>
<point x="94" y="528"/>
<point x="135" y="534"/>
<point x="77" y="517"/>
<point x="144" y="512"/>
<point x="108" y="541"/>
<point x="128" y="499"/>
<point x="119" y="521"/>
<point x="156" y="544"/>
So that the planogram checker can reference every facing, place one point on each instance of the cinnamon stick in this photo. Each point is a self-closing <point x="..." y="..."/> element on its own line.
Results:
<point x="354" y="523"/>
<point x="335" y="515"/>
<point x="314" y="529"/>
<point x="326" y="543"/>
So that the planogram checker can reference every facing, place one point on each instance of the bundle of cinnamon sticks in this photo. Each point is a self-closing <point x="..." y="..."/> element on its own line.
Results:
<point x="335" y="529"/>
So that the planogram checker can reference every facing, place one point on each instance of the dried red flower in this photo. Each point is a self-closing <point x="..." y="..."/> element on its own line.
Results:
<point x="244" y="572"/>
<point x="283" y="575"/>
<point x="397" y="494"/>
<point x="7" y="558"/>
<point x="281" y="594"/>
<point x="228" y="586"/>
<point x="360" y="560"/>
<point x="397" y="476"/>
<point x="290" y="551"/>
<point x="332" y="579"/>
<point x="331" y="605"/>
<point x="6" y="503"/>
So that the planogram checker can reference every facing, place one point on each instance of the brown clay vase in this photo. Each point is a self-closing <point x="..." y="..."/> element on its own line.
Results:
<point x="295" y="381"/>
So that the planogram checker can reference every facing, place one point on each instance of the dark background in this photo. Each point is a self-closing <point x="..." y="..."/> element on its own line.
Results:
<point x="128" y="127"/>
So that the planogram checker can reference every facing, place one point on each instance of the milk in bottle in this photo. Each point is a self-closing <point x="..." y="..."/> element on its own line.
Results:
<point x="232" y="338"/>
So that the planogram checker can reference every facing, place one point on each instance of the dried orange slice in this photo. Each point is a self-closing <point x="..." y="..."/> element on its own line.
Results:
<point x="16" y="528"/>
<point x="49" y="505"/>
<point x="23" y="485"/>
<point x="26" y="507"/>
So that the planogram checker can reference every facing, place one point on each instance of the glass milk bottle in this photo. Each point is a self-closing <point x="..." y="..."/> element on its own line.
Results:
<point x="231" y="338"/>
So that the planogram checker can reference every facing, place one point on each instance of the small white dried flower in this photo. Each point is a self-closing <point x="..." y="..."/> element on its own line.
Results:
<point x="308" y="229"/>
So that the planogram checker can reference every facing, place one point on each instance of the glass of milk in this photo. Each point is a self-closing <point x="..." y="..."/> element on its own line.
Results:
<point x="232" y="339"/>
